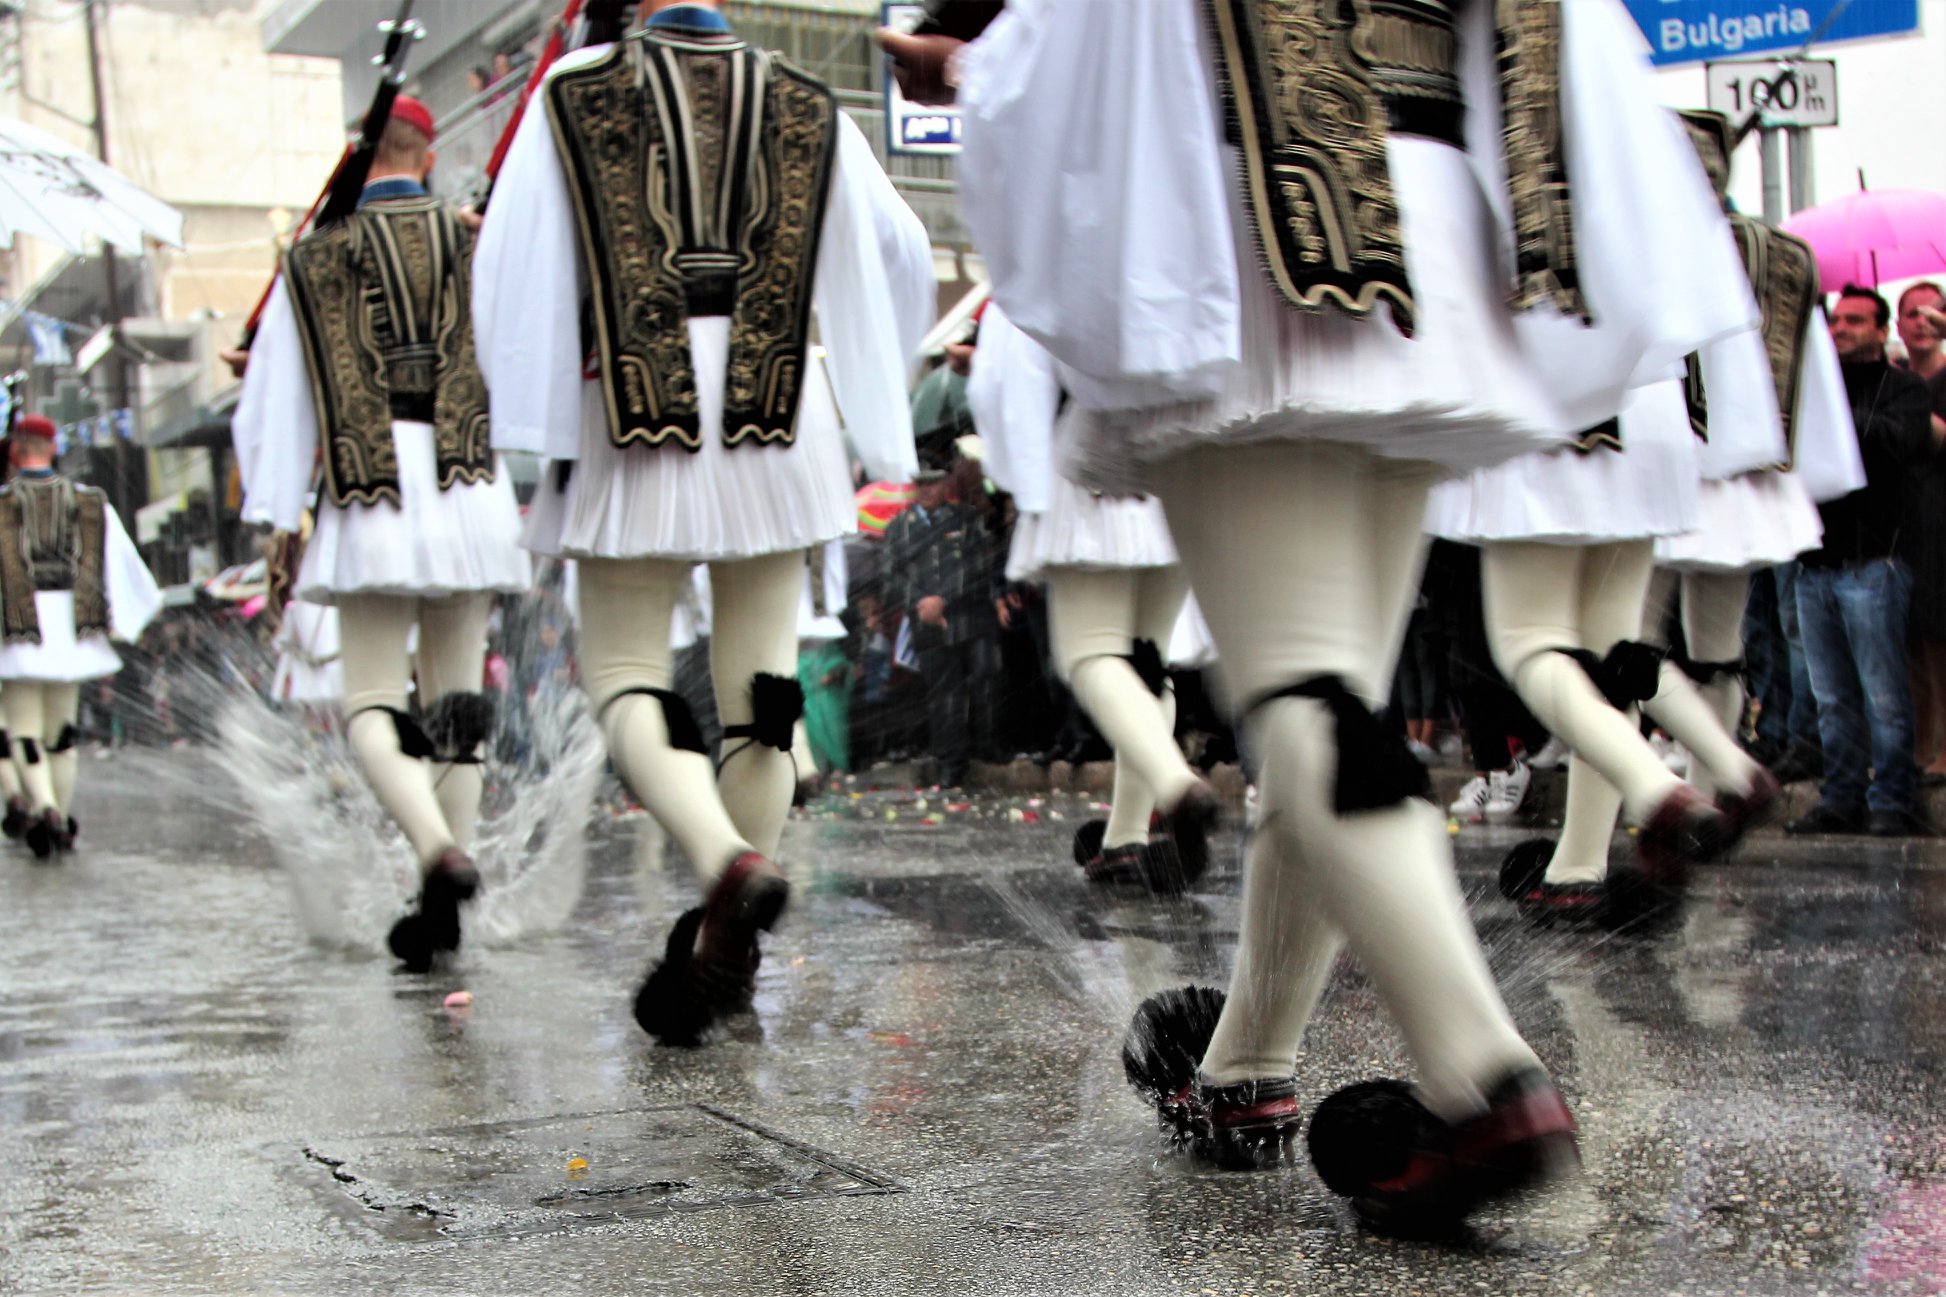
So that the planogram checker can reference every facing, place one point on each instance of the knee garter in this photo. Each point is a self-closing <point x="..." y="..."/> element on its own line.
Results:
<point x="685" y="735"/>
<point x="1146" y="658"/>
<point x="457" y="725"/>
<point x="30" y="752"/>
<point x="776" y="703"/>
<point x="66" y="740"/>
<point x="1629" y="674"/>
<point x="1707" y="673"/>
<point x="413" y="741"/>
<point x="1375" y="768"/>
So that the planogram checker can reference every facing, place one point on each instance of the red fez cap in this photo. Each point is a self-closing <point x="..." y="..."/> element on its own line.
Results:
<point x="414" y="114"/>
<point x="34" y="425"/>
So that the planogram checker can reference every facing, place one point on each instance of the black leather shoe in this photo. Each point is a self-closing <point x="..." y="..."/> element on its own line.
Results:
<point x="1828" y="819"/>
<point x="1898" y="824"/>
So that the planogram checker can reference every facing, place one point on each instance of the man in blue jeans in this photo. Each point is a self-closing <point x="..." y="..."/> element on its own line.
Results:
<point x="1854" y="593"/>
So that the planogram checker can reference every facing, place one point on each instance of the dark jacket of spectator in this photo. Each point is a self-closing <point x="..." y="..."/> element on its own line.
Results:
<point x="942" y="552"/>
<point x="1893" y="411"/>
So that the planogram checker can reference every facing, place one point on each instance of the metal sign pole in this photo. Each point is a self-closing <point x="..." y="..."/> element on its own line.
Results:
<point x="1773" y="155"/>
<point x="1803" y="183"/>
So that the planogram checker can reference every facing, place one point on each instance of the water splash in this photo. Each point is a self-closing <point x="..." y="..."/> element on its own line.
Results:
<point x="350" y="871"/>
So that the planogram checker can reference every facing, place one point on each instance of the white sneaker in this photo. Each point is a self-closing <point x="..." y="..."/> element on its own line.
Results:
<point x="1425" y="754"/>
<point x="1472" y="799"/>
<point x="1507" y="789"/>
<point x="1449" y="747"/>
<point x="1552" y="756"/>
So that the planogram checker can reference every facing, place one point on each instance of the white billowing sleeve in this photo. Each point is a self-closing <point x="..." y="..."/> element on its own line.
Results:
<point x="528" y="284"/>
<point x="133" y="596"/>
<point x="1746" y="432"/>
<point x="1014" y="393"/>
<point x="1094" y="183"/>
<point x="1825" y="440"/>
<point x="275" y="428"/>
<point x="1658" y="265"/>
<point x="874" y="296"/>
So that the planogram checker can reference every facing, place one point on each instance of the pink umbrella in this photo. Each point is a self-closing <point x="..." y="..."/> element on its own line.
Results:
<point x="1875" y="235"/>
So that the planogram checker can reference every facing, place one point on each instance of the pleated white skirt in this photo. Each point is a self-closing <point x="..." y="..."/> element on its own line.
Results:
<point x="1093" y="532"/>
<point x="463" y="539"/>
<point x="1748" y="522"/>
<point x="1461" y="392"/>
<point x="715" y="502"/>
<point x="1565" y="497"/>
<point x="59" y="657"/>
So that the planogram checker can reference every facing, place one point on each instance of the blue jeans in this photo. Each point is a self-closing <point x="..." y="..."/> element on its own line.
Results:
<point x="1802" y="715"/>
<point x="1853" y="622"/>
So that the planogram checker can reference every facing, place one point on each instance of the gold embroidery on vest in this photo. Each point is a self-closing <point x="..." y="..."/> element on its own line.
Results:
<point x="53" y="536"/>
<point x="383" y="302"/>
<point x="1546" y="273"/>
<point x="699" y="176"/>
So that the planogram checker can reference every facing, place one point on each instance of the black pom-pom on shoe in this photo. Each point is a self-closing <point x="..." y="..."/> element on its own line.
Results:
<point x="1166" y="1040"/>
<point x="432" y="928"/>
<point x="1524" y="867"/>
<point x="1088" y="840"/>
<point x="670" y="1005"/>
<point x="46" y="833"/>
<point x="14" y="823"/>
<point x="1366" y="1134"/>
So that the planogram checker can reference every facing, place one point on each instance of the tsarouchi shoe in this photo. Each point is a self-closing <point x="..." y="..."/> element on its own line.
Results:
<point x="708" y="968"/>
<point x="1743" y="812"/>
<point x="1411" y="1174"/>
<point x="1684" y="830"/>
<point x="1187" y="825"/>
<point x="432" y="928"/>
<point x="48" y="833"/>
<point x="18" y="813"/>
<point x="1243" y="1126"/>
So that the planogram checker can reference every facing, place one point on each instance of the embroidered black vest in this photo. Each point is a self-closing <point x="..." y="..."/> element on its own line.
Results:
<point x="1783" y="272"/>
<point x="53" y="536"/>
<point x="1313" y="88"/>
<point x="699" y="169"/>
<point x="384" y="306"/>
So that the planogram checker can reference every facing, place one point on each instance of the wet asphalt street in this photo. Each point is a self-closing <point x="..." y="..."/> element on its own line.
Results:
<point x="197" y="1097"/>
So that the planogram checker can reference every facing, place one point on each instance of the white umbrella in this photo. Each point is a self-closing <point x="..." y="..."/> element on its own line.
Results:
<point x="54" y="191"/>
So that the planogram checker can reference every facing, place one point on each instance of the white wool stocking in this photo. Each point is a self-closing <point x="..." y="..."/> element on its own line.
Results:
<point x="754" y="629"/>
<point x="1305" y="557"/>
<point x="1094" y="619"/>
<point x="9" y="777"/>
<point x="31" y="709"/>
<point x="452" y="659"/>
<point x="62" y="710"/>
<point x="626" y="607"/>
<point x="1704" y="718"/>
<point x="1543" y="598"/>
<point x="376" y="630"/>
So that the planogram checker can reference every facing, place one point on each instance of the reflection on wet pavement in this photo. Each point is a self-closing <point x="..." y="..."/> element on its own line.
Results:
<point x="196" y="1098"/>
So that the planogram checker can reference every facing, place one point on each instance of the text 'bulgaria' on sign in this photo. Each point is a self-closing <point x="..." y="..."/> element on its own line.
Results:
<point x="1692" y="31"/>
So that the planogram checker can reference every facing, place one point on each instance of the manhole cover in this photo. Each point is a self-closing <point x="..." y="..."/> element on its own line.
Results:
<point x="511" y="1178"/>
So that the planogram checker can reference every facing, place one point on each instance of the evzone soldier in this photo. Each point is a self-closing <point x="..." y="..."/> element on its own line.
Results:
<point x="1774" y="395"/>
<point x="70" y="578"/>
<point x="698" y="202"/>
<point x="1115" y="592"/>
<point x="363" y="377"/>
<point x="1292" y="405"/>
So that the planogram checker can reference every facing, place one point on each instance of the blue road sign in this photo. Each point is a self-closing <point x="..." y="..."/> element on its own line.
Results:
<point x="1693" y="31"/>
